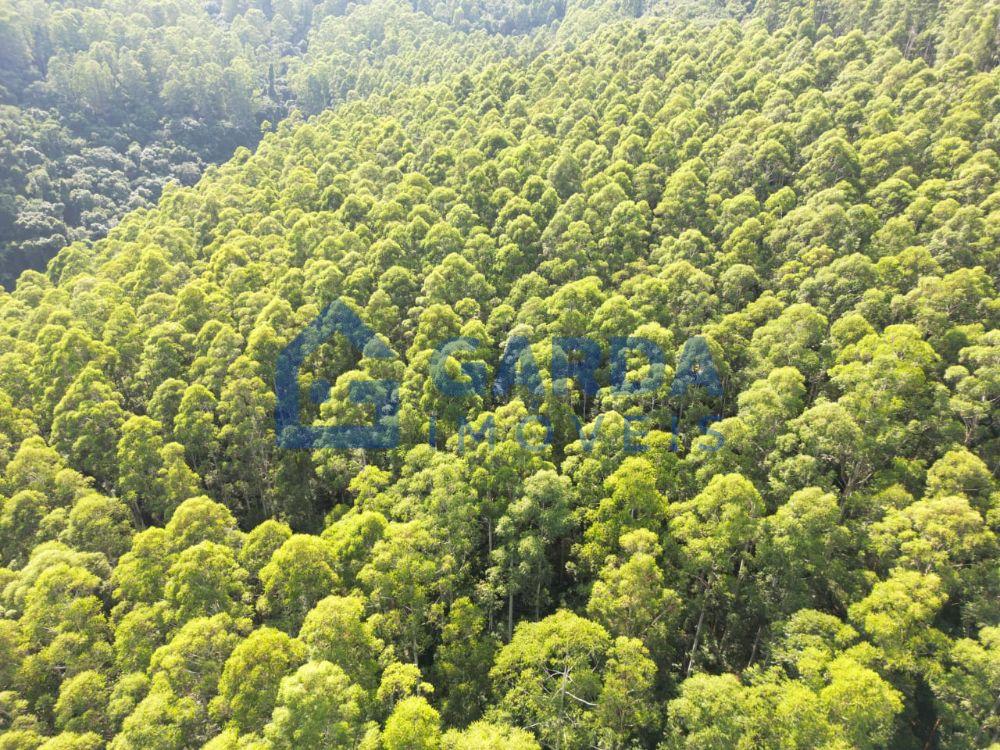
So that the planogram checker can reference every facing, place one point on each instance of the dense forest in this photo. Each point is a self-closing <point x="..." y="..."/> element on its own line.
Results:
<point x="102" y="103"/>
<point x="802" y="558"/>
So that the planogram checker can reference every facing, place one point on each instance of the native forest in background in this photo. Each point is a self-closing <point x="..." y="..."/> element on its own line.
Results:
<point x="811" y="187"/>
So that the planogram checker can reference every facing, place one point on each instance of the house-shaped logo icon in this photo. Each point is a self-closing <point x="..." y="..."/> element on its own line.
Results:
<point x="383" y="395"/>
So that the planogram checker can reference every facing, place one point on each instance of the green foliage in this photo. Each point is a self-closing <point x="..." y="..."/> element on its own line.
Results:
<point x="250" y="680"/>
<point x="104" y="104"/>
<point x="806" y="561"/>
<point x="413" y="725"/>
<point x="317" y="707"/>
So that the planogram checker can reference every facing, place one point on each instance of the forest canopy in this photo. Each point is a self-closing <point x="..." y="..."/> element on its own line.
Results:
<point x="103" y="103"/>
<point x="804" y="557"/>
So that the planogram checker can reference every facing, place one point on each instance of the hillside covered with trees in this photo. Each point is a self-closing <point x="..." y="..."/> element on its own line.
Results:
<point x="101" y="103"/>
<point x="803" y="558"/>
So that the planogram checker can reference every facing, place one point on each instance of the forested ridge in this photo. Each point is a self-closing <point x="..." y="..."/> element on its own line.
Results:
<point x="810" y="189"/>
<point x="103" y="102"/>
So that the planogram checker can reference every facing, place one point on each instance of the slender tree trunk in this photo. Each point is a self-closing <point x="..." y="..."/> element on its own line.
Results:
<point x="753" y="651"/>
<point x="699" y="626"/>
<point x="510" y="612"/>
<point x="562" y="708"/>
<point x="137" y="515"/>
<point x="697" y="636"/>
<point x="538" y="598"/>
<point x="489" y="556"/>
